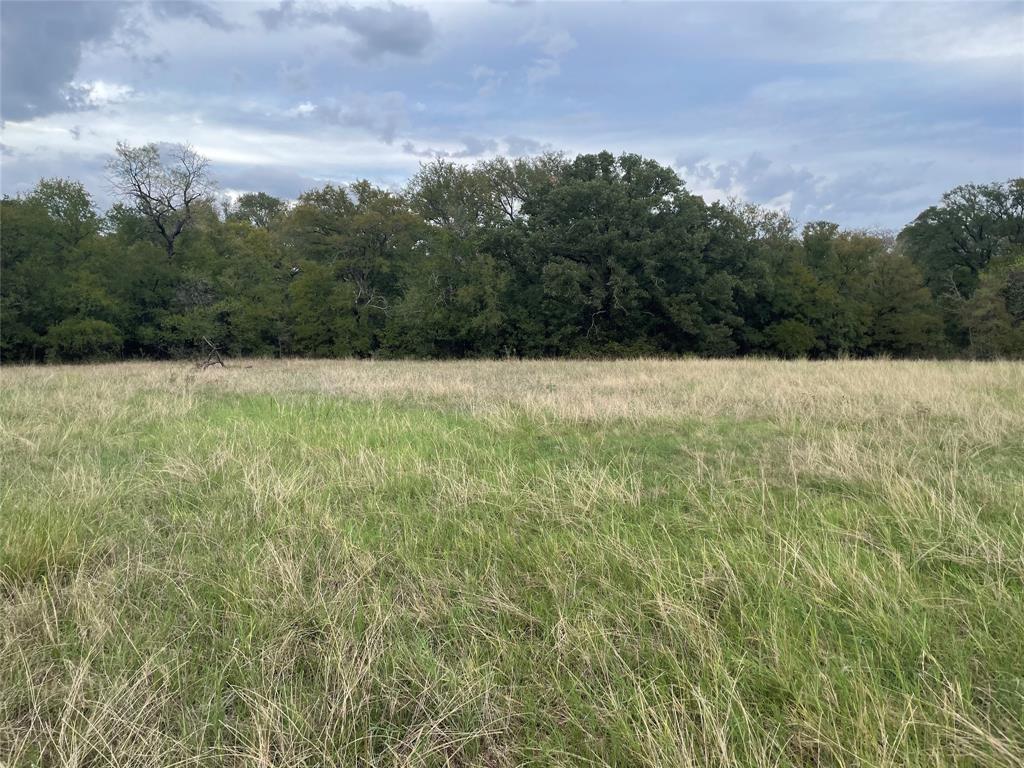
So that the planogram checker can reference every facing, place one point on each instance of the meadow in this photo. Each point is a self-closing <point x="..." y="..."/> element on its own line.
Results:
<point x="632" y="563"/>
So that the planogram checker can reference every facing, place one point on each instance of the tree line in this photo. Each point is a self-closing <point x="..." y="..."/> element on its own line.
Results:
<point x="592" y="256"/>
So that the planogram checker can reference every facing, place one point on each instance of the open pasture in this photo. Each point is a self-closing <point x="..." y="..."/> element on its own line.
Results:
<point x="633" y="563"/>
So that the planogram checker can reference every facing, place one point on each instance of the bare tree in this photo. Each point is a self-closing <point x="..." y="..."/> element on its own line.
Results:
<point x="166" y="193"/>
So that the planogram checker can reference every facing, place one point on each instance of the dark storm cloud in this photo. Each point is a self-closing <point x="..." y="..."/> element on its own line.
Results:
<point x="390" y="28"/>
<point x="42" y="44"/>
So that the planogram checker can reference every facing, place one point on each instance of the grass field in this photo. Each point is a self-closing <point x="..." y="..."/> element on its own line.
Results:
<point x="635" y="563"/>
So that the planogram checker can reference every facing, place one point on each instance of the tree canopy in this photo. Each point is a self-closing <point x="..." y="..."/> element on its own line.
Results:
<point x="595" y="255"/>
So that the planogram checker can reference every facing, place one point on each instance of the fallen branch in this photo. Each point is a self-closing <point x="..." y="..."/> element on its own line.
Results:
<point x="213" y="357"/>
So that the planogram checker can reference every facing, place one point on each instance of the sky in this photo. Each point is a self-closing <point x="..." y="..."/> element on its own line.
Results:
<point x="860" y="113"/>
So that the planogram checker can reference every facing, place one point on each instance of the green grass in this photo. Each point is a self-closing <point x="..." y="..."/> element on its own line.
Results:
<point x="256" y="568"/>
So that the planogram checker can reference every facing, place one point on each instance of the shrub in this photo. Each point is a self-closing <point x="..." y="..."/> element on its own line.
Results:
<point x="792" y="338"/>
<point x="81" y="338"/>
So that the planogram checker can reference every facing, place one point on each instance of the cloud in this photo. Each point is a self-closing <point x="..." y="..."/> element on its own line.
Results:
<point x="303" y="109"/>
<point x="755" y="177"/>
<point x="237" y="180"/>
<point x="520" y="146"/>
<point x="191" y="9"/>
<point x="472" y="146"/>
<point x="281" y="155"/>
<point x="99" y="93"/>
<point x="847" y="111"/>
<point x="543" y="69"/>
<point x="24" y="169"/>
<point x="380" y="114"/>
<point x="390" y="28"/>
<point x="874" y="190"/>
<point x="553" y="44"/>
<point x="42" y="46"/>
<point x="488" y="79"/>
<point x="934" y="32"/>
<point x="556" y="43"/>
<point x="297" y="76"/>
<point x="807" y="91"/>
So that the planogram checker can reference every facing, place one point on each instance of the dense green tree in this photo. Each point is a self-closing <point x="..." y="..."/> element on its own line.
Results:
<point x="954" y="241"/>
<point x="990" y="326"/>
<point x="993" y="316"/>
<point x="253" y="287"/>
<point x="598" y="255"/>
<point x="83" y="338"/>
<point x="451" y="306"/>
<point x="904" y="320"/>
<point x="363" y="237"/>
<point x="473" y="276"/>
<point x="259" y="209"/>
<point x="780" y="300"/>
<point x="620" y="250"/>
<point x="69" y="209"/>
<point x="47" y="238"/>
<point x="841" y="262"/>
<point x="448" y="196"/>
<point x="29" y="263"/>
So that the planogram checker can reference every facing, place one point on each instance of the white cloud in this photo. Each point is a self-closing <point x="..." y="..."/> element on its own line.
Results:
<point x="303" y="109"/>
<point x="543" y="69"/>
<point x="99" y="93"/>
<point x="553" y="44"/>
<point x="467" y="147"/>
<point x="489" y="80"/>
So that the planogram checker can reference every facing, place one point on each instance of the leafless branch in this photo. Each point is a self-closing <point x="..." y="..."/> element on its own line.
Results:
<point x="164" y="191"/>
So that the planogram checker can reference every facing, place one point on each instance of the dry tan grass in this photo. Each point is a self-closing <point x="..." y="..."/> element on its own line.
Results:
<point x="846" y="391"/>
